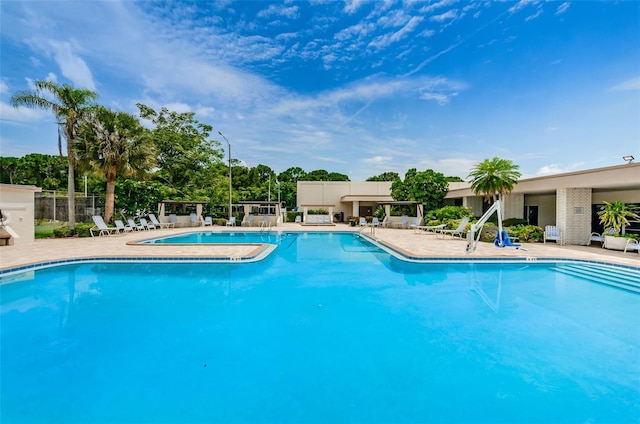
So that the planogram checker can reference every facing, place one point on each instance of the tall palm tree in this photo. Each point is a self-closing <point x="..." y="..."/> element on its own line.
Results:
<point x="114" y="144"/>
<point x="494" y="177"/>
<point x="70" y="105"/>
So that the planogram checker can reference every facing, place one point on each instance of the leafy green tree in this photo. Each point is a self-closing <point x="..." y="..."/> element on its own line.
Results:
<point x="427" y="187"/>
<point x="187" y="158"/>
<point x="455" y="180"/>
<point x="70" y="105"/>
<point x="317" y="175"/>
<point x="493" y="178"/>
<point x="45" y="171"/>
<point x="292" y="175"/>
<point x="113" y="144"/>
<point x="336" y="176"/>
<point x="8" y="170"/>
<point x="385" y="176"/>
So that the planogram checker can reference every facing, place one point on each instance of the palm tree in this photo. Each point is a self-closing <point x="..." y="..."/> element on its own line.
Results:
<point x="494" y="177"/>
<point x="114" y="144"/>
<point x="70" y="106"/>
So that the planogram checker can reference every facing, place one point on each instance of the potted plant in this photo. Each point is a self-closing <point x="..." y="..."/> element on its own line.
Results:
<point x="615" y="215"/>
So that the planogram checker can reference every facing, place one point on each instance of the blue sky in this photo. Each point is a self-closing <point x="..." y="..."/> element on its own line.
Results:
<point x="356" y="87"/>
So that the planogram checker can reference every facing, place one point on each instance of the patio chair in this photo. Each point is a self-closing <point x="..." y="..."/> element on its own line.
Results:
<point x="386" y="222"/>
<point x="147" y="225"/>
<point x="298" y="219"/>
<point x="195" y="221"/>
<point x="123" y="228"/>
<point x="414" y="223"/>
<point x="208" y="221"/>
<point x="632" y="245"/>
<point x="460" y="231"/>
<point x="247" y="221"/>
<point x="363" y="221"/>
<point x="101" y="228"/>
<point x="231" y="222"/>
<point x="173" y="219"/>
<point x="404" y="220"/>
<point x="600" y="237"/>
<point x="551" y="232"/>
<point x="159" y="224"/>
<point x="428" y="229"/>
<point x="134" y="226"/>
<point x="375" y="222"/>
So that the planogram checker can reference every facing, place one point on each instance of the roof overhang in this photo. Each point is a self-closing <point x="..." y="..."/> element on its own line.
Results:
<point x="366" y="198"/>
<point x="619" y="177"/>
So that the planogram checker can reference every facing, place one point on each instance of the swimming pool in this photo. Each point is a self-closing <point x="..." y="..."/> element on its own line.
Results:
<point x="328" y="328"/>
<point x="222" y="237"/>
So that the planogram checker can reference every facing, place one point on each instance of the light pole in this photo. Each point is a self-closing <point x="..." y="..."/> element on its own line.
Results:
<point x="229" y="145"/>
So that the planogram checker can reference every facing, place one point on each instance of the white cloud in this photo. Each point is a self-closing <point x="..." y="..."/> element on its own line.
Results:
<point x="450" y="14"/>
<point x="4" y="88"/>
<point x="388" y="39"/>
<point x="351" y="6"/>
<point x="535" y="15"/>
<point x="378" y="160"/>
<point x="276" y="10"/>
<point x="629" y="85"/>
<point x="521" y="4"/>
<point x="71" y="65"/>
<point x="22" y="114"/>
<point x="562" y="8"/>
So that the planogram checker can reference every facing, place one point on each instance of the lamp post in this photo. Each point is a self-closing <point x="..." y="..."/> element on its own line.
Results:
<point x="229" y="145"/>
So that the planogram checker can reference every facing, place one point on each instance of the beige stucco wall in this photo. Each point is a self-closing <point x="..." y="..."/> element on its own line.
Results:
<point x="627" y="196"/>
<point x="18" y="202"/>
<point x="546" y="204"/>
<point x="331" y="193"/>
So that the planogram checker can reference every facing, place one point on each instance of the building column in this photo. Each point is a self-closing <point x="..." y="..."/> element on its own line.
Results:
<point x="573" y="214"/>
<point x="512" y="206"/>
<point x="474" y="203"/>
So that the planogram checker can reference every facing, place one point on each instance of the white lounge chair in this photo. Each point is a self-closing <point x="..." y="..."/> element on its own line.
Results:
<point x="264" y="222"/>
<point x="414" y="223"/>
<point x="147" y="225"/>
<point x="195" y="221"/>
<point x="231" y="222"/>
<point x="459" y="231"/>
<point x="208" y="221"/>
<point x="159" y="224"/>
<point x="101" y="228"/>
<point x="173" y="219"/>
<point x="632" y="245"/>
<point x="363" y="221"/>
<point x="247" y="221"/>
<point x="375" y="222"/>
<point x="428" y="229"/>
<point x="600" y="237"/>
<point x="404" y="220"/>
<point x="123" y="228"/>
<point x="551" y="232"/>
<point x="298" y="219"/>
<point x="134" y="226"/>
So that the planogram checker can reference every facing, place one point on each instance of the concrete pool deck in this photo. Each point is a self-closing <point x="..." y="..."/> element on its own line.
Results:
<point x="403" y="240"/>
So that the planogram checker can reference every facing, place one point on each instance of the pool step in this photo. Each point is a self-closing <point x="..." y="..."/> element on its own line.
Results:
<point x="622" y="278"/>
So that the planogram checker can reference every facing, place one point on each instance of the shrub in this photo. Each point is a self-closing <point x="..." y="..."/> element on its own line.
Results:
<point x="82" y="230"/>
<point x="526" y="232"/>
<point x="291" y="215"/>
<point x="512" y="222"/>
<point x="449" y="213"/>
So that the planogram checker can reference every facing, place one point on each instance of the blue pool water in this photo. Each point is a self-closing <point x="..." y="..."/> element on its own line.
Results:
<point x="225" y="237"/>
<point x="327" y="329"/>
